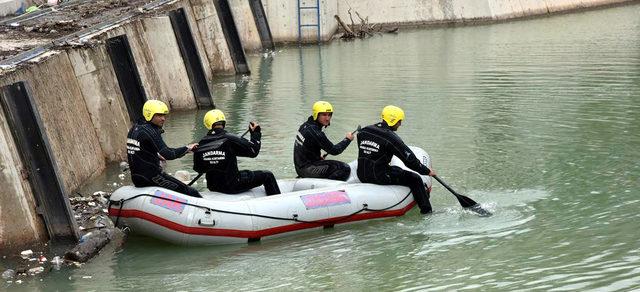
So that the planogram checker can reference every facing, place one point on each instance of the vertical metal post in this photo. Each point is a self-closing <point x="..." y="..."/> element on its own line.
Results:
<point x="318" y="18"/>
<point x="191" y="58"/>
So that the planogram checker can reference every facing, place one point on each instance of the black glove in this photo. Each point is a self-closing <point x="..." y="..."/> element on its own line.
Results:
<point x="257" y="129"/>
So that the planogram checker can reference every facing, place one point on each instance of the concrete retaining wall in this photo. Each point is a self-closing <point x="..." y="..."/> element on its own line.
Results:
<point x="158" y="60"/>
<point x="283" y="20"/>
<point x="17" y="205"/>
<point x="67" y="122"/>
<point x="105" y="104"/>
<point x="412" y="12"/>
<point x="283" y="15"/>
<point x="246" y="25"/>
<point x="210" y="33"/>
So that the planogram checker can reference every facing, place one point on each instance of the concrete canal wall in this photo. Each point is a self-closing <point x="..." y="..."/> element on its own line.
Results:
<point x="283" y="20"/>
<point x="410" y="12"/>
<point x="84" y="111"/>
<point x="19" y="221"/>
<point x="211" y="36"/>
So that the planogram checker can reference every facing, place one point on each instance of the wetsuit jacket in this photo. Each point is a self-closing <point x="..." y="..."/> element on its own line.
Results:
<point x="217" y="155"/>
<point x="310" y="140"/>
<point x="144" y="143"/>
<point x="377" y="144"/>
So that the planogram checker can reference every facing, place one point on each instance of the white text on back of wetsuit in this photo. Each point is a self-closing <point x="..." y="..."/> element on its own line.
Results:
<point x="368" y="146"/>
<point x="214" y="157"/>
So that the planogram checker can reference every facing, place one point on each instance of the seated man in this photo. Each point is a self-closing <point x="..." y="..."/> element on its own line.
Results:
<point x="217" y="157"/>
<point x="310" y="140"/>
<point x="145" y="150"/>
<point x="377" y="144"/>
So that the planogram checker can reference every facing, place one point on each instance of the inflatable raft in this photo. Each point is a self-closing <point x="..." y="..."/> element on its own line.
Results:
<point x="217" y="218"/>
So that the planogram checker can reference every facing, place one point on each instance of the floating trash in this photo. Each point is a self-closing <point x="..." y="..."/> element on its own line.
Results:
<point x="8" y="274"/>
<point x="124" y="166"/>
<point x="26" y="253"/>
<point x="57" y="261"/>
<point x="35" y="271"/>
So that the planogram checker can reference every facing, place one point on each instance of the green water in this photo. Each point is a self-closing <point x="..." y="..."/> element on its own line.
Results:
<point x="537" y="120"/>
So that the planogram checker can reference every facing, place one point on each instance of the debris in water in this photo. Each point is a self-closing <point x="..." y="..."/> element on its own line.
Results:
<point x="124" y="166"/>
<point x="8" y="274"/>
<point x="35" y="271"/>
<point x="26" y="253"/>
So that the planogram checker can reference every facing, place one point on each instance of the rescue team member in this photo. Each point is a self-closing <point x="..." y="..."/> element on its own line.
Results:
<point x="310" y="139"/>
<point x="217" y="157"/>
<point x="145" y="149"/>
<point x="377" y="144"/>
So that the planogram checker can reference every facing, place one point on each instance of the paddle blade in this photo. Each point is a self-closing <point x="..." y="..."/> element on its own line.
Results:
<point x="480" y="211"/>
<point x="470" y="204"/>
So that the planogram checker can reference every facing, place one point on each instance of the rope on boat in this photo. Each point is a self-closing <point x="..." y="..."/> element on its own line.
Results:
<point x="294" y="218"/>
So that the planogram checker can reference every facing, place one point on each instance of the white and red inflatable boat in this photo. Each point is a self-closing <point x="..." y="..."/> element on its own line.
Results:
<point x="218" y="218"/>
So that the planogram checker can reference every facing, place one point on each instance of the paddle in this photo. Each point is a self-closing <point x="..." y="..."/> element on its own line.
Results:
<point x="356" y="130"/>
<point x="465" y="201"/>
<point x="200" y="174"/>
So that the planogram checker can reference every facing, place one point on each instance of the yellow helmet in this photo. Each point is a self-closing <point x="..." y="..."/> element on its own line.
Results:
<point x="212" y="117"/>
<point x="152" y="107"/>
<point x="392" y="115"/>
<point x="321" y="107"/>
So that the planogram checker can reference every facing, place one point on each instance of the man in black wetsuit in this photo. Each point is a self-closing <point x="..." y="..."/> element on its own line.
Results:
<point x="310" y="140"/>
<point x="217" y="157"/>
<point x="145" y="150"/>
<point x="377" y="144"/>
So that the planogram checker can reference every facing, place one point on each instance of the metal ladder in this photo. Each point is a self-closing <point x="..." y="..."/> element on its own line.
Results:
<point x="305" y="25"/>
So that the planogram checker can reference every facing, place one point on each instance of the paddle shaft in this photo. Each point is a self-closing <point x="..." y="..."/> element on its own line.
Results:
<point x="356" y="130"/>
<point x="446" y="186"/>
<point x="200" y="174"/>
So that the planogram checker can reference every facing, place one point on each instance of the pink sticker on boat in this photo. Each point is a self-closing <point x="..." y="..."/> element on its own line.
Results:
<point x="319" y="200"/>
<point x="174" y="203"/>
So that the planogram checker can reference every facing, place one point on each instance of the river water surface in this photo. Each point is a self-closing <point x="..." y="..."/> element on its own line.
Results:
<point x="538" y="120"/>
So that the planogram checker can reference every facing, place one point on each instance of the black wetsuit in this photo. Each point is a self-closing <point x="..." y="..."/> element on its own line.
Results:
<point x="217" y="157"/>
<point x="307" y="157"/>
<point x="377" y="144"/>
<point x="144" y="144"/>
